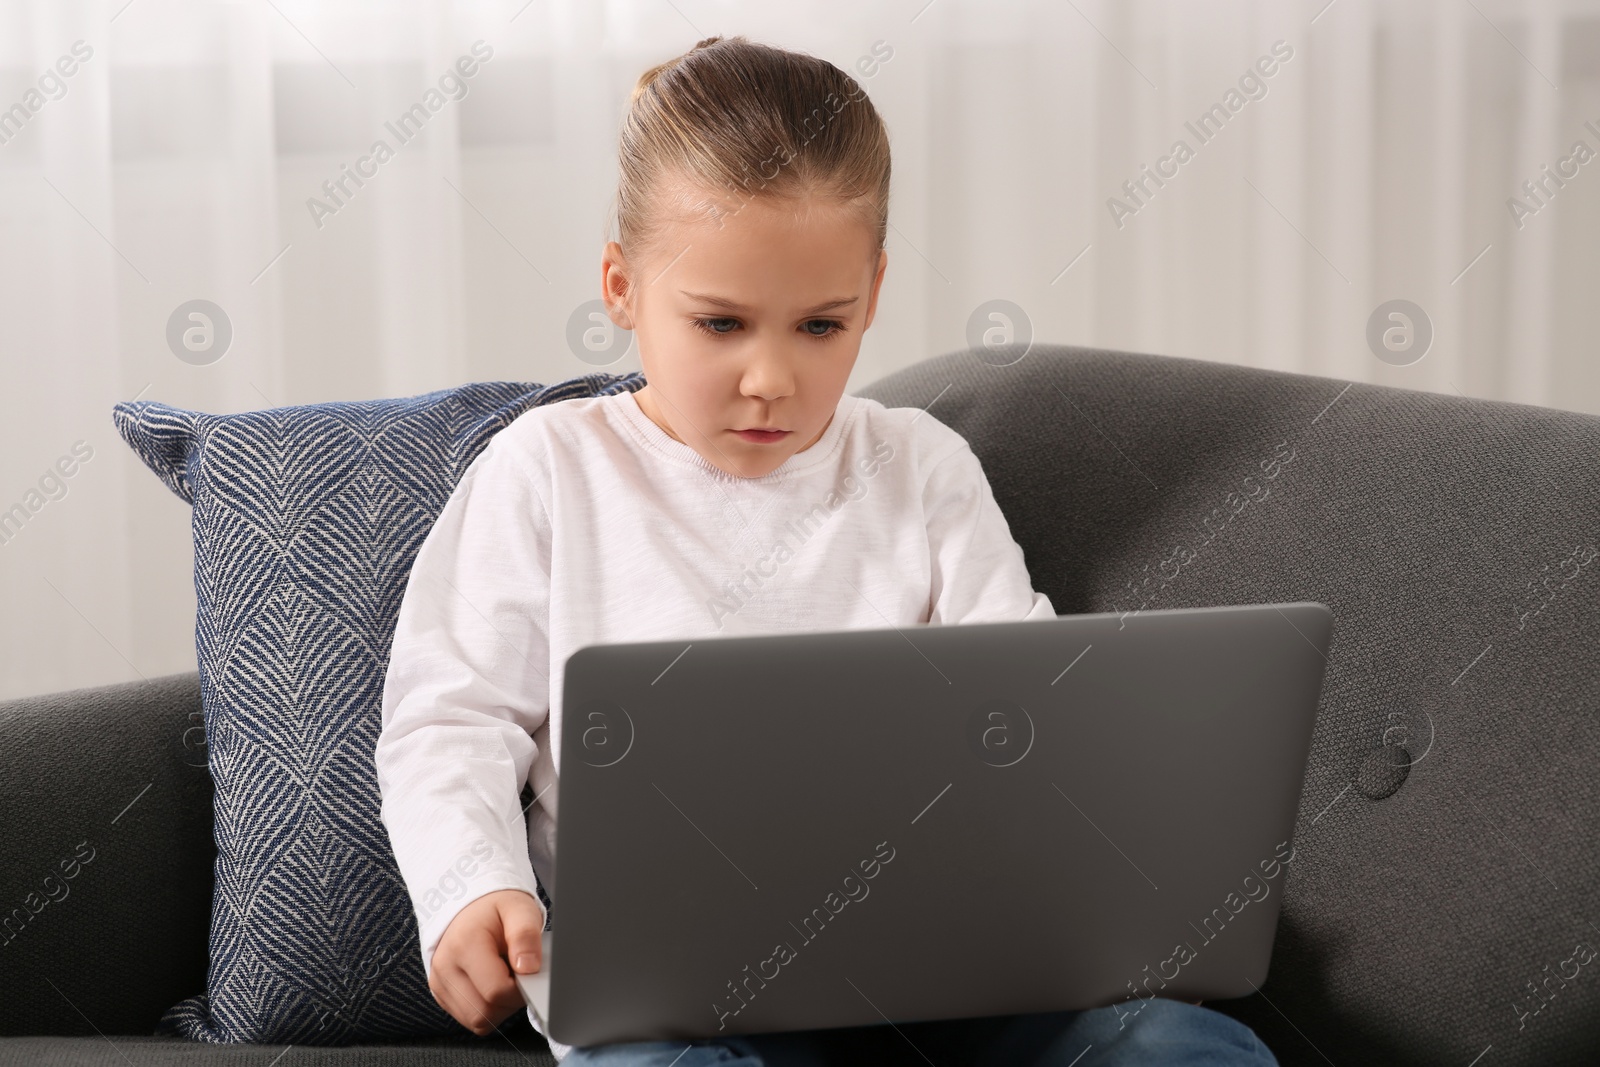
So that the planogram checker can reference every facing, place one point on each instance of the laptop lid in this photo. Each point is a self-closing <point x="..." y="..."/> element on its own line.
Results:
<point x="811" y="830"/>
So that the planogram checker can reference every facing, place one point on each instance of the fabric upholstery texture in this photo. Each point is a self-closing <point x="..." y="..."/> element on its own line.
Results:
<point x="516" y="1050"/>
<point x="1447" y="833"/>
<point x="118" y="774"/>
<point x="1448" y="839"/>
<point x="306" y="522"/>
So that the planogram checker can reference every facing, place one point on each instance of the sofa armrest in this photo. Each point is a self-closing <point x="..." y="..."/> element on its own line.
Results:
<point x="106" y="857"/>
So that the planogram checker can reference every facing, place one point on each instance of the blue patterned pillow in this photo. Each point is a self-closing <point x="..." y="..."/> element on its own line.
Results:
<point x="306" y="523"/>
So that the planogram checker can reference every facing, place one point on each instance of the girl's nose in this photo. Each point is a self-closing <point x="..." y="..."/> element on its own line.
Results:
<point x="768" y="376"/>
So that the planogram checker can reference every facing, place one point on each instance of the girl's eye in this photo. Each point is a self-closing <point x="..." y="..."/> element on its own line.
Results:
<point x="837" y="327"/>
<point x="706" y="326"/>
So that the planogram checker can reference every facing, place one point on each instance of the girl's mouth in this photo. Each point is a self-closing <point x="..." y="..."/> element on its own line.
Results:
<point x="762" y="436"/>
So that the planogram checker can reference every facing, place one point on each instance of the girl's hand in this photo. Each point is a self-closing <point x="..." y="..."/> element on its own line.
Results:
<point x="470" y="976"/>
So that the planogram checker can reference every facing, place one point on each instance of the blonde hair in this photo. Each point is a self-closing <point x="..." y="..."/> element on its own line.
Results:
<point x="744" y="119"/>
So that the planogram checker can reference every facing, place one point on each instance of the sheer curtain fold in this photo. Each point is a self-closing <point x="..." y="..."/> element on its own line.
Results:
<point x="205" y="151"/>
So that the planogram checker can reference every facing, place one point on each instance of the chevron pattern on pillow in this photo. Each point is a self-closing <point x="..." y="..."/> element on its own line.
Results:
<point x="306" y="522"/>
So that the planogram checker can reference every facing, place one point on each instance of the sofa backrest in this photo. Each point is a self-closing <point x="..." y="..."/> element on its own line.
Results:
<point x="1442" y="896"/>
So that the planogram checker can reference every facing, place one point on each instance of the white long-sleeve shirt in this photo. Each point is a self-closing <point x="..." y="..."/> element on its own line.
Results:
<point x="584" y="523"/>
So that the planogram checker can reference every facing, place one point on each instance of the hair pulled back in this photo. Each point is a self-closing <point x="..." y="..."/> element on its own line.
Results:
<point x="740" y="120"/>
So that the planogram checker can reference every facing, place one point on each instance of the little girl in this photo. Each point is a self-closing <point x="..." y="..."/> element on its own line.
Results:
<point x="739" y="491"/>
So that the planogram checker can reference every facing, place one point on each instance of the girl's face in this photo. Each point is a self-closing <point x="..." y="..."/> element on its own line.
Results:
<point x="749" y="322"/>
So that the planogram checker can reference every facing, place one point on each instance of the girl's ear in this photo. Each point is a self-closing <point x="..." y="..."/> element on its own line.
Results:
<point x="877" y="283"/>
<point x="616" y="286"/>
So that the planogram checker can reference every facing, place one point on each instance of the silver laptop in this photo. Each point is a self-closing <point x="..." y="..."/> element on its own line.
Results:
<point x="805" y="831"/>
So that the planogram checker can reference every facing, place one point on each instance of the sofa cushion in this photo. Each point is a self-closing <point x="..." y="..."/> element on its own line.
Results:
<point x="515" y="1045"/>
<point x="306" y="522"/>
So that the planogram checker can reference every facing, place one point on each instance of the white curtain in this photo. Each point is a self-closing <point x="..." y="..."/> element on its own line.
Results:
<point x="176" y="161"/>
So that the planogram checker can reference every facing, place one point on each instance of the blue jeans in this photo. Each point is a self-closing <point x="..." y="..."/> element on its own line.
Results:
<point x="1163" y="1033"/>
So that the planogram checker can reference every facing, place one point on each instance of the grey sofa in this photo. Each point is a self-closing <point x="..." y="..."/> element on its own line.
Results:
<point x="1444" y="884"/>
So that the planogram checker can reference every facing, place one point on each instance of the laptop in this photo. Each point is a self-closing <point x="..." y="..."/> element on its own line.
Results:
<point x="816" y="830"/>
